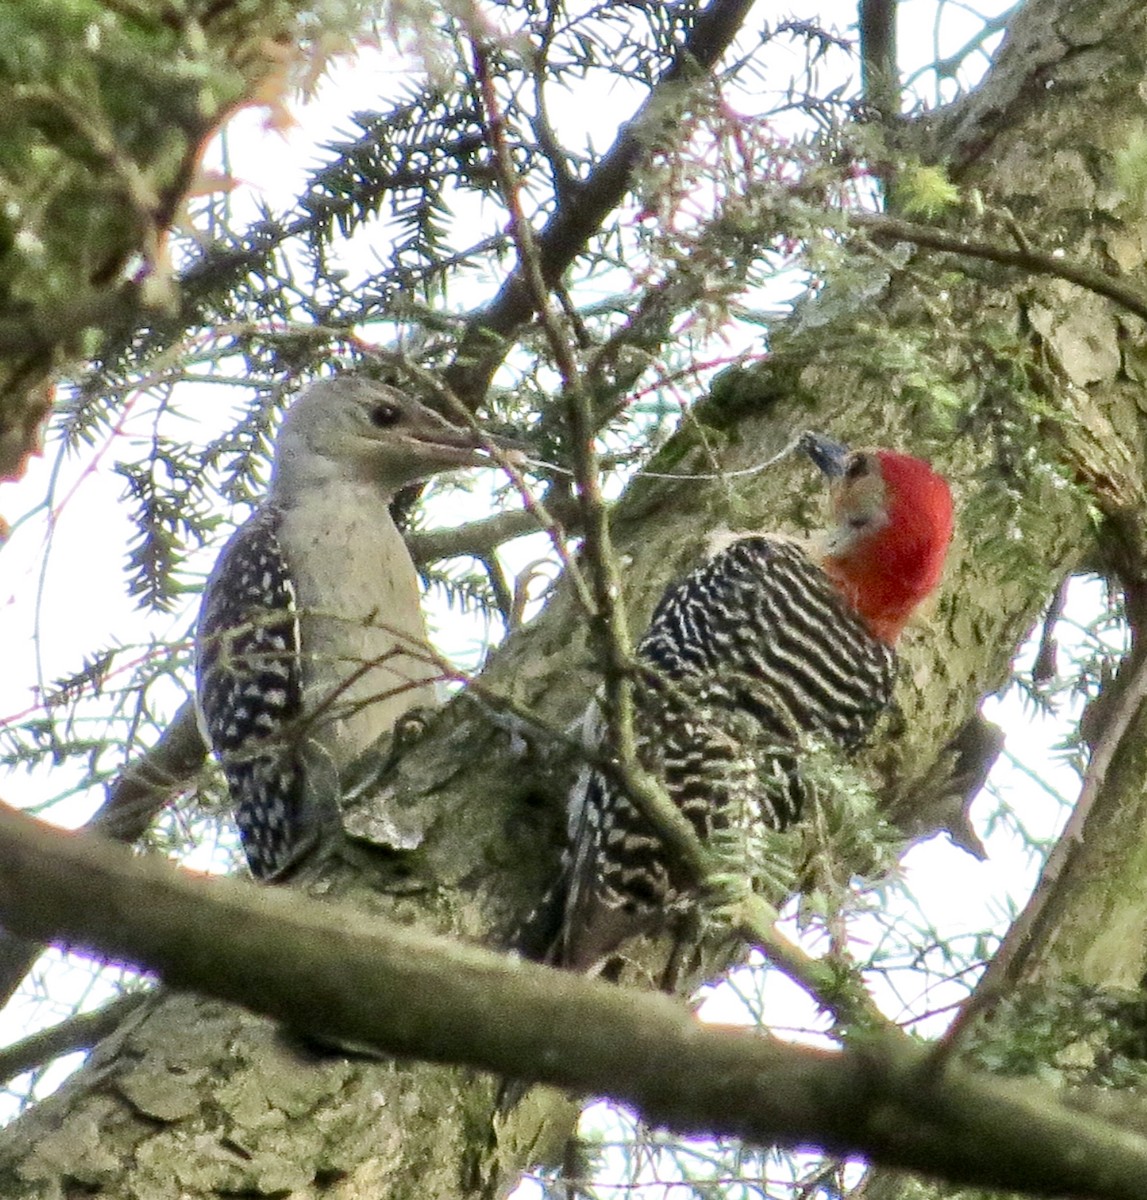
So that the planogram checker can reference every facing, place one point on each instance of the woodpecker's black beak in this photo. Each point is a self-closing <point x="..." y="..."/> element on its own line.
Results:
<point x="830" y="456"/>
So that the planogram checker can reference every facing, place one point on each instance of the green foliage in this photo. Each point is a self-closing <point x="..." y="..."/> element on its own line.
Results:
<point x="1073" y="1034"/>
<point x="159" y="491"/>
<point x="842" y="834"/>
<point x="924" y="190"/>
<point x="96" y="101"/>
<point x="1131" y="168"/>
<point x="94" y="718"/>
<point x="847" y="834"/>
<point x="1012" y="411"/>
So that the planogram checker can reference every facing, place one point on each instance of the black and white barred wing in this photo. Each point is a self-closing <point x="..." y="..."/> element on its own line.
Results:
<point x="249" y="695"/>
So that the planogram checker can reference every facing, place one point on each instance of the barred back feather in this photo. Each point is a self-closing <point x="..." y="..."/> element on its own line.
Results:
<point x="751" y="650"/>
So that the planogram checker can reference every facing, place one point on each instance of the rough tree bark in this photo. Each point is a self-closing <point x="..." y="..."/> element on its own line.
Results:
<point x="195" y="1098"/>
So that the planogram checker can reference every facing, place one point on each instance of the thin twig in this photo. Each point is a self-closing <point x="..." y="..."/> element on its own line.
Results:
<point x="606" y="607"/>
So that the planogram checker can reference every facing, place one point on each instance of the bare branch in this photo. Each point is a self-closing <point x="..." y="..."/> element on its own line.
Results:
<point x="80" y="1032"/>
<point x="480" y="538"/>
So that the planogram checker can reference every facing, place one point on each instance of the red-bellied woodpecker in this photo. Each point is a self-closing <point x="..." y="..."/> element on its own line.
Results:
<point x="764" y="642"/>
<point x="311" y="642"/>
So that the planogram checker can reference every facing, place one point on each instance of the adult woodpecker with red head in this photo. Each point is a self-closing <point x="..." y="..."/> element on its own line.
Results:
<point x="893" y="517"/>
<point x="764" y="643"/>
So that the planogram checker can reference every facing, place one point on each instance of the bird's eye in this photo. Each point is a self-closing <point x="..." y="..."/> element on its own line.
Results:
<point x="384" y="416"/>
<point x="857" y="466"/>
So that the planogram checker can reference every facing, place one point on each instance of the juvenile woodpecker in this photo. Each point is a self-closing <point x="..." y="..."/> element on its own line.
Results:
<point x="311" y="641"/>
<point x="765" y="642"/>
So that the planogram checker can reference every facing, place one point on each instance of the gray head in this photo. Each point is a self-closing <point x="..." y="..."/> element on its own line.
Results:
<point x="356" y="429"/>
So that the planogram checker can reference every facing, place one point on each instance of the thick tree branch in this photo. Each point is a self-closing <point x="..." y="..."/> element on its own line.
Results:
<point x="449" y="1003"/>
<point x="143" y="787"/>
<point x="880" y="72"/>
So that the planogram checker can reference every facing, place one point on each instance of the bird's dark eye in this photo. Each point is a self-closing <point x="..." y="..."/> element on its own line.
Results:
<point x="384" y="416"/>
<point x="857" y="466"/>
